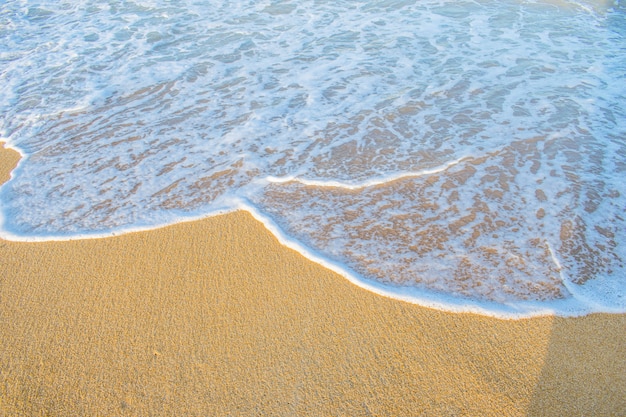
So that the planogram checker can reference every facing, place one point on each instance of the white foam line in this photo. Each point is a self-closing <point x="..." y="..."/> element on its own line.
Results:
<point x="566" y="282"/>
<point x="424" y="298"/>
<point x="9" y="145"/>
<point x="23" y="156"/>
<point x="9" y="236"/>
<point x="518" y="310"/>
<point x="573" y="289"/>
<point x="368" y="183"/>
<point x="578" y="305"/>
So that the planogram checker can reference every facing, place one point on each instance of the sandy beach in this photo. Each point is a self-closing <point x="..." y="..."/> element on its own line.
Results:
<point x="215" y="317"/>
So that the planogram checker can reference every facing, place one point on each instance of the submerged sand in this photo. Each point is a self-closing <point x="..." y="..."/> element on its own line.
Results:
<point x="215" y="317"/>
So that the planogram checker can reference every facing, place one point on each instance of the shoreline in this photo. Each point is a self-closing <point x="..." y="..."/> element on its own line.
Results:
<point x="574" y="306"/>
<point x="217" y="317"/>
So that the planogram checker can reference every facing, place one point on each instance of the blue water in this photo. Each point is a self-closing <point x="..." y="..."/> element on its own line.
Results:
<point x="465" y="155"/>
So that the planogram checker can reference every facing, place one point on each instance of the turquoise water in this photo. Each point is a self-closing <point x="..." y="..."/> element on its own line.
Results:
<point x="464" y="155"/>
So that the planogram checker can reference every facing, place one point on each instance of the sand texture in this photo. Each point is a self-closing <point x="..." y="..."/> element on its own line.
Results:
<point x="216" y="318"/>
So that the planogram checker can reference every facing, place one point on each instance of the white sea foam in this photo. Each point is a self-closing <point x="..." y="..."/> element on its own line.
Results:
<point x="466" y="155"/>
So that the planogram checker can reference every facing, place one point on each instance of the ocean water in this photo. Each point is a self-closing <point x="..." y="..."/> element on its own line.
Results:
<point x="463" y="155"/>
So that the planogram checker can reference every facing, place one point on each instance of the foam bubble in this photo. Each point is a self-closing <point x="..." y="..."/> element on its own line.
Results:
<point x="470" y="151"/>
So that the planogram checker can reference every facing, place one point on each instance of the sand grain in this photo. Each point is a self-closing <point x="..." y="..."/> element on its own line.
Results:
<point x="215" y="317"/>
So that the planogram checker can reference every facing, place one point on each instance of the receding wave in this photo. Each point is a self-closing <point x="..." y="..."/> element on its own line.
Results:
<point x="472" y="151"/>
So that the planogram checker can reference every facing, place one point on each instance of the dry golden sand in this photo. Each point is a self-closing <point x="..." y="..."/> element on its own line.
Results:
<point x="215" y="317"/>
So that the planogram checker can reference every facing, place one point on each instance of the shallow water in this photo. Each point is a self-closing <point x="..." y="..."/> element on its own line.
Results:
<point x="464" y="155"/>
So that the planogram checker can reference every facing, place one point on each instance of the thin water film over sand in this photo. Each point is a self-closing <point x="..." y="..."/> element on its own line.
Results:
<point x="496" y="228"/>
<point x="472" y="151"/>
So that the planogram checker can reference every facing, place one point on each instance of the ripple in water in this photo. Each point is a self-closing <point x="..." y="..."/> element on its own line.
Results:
<point x="469" y="153"/>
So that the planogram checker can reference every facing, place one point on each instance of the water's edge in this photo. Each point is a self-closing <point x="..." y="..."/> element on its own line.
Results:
<point x="566" y="308"/>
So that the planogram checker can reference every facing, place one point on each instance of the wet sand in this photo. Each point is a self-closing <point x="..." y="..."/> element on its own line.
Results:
<point x="215" y="317"/>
